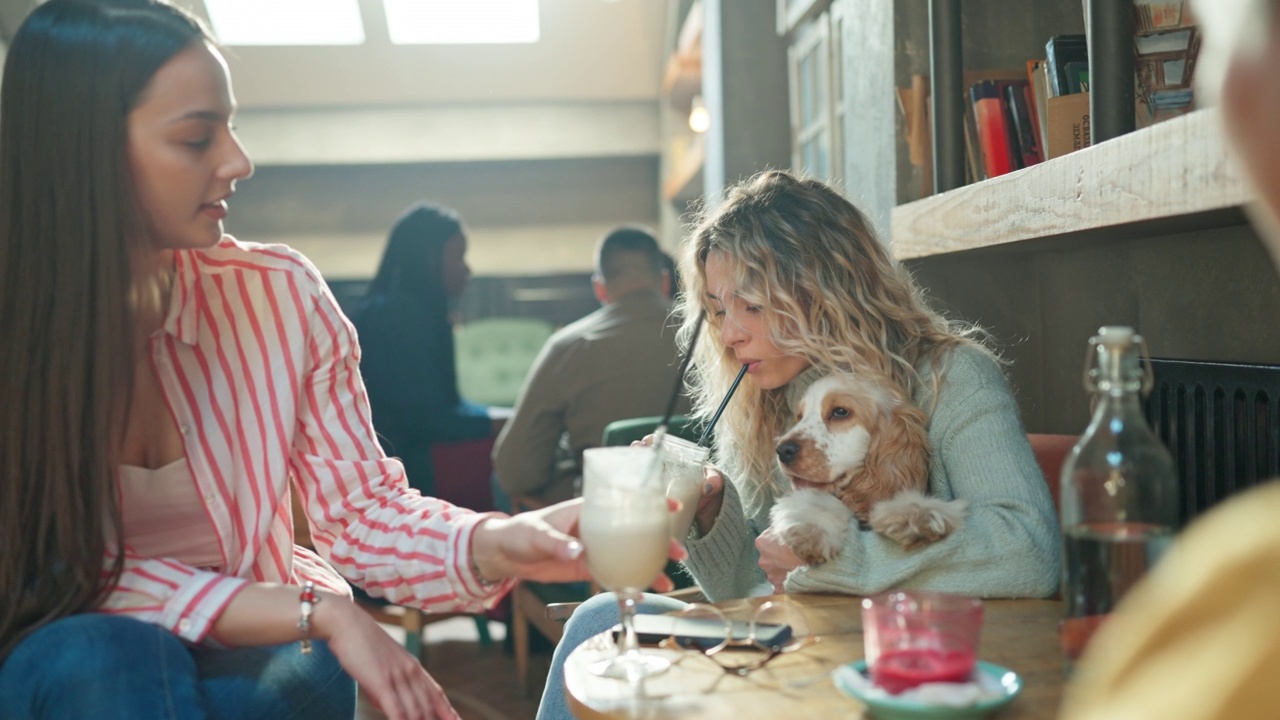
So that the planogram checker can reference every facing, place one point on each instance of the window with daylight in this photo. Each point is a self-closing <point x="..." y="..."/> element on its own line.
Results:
<point x="817" y="99"/>
<point x="286" y="22"/>
<point x="462" y="22"/>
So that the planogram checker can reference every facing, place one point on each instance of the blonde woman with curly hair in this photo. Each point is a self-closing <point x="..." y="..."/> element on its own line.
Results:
<point x="795" y="284"/>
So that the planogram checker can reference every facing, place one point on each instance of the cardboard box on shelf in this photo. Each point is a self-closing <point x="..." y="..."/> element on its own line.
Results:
<point x="1068" y="124"/>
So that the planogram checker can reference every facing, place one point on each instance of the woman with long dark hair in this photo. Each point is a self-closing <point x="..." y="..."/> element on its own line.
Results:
<point x="406" y="338"/>
<point x="165" y="389"/>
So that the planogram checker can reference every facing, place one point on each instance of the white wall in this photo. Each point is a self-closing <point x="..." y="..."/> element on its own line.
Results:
<point x="449" y="133"/>
<point x="502" y="251"/>
<point x="523" y="217"/>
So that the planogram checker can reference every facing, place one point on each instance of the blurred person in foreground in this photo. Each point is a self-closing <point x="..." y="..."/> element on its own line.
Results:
<point x="618" y="362"/>
<point x="1199" y="638"/>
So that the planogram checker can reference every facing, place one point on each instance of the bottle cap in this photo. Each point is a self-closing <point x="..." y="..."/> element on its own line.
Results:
<point x="1117" y="336"/>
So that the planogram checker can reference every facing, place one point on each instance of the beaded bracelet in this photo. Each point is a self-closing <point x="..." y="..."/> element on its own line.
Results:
<point x="307" y="600"/>
<point x="485" y="584"/>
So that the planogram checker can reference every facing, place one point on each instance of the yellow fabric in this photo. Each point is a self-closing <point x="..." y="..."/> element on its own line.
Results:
<point x="1200" y="637"/>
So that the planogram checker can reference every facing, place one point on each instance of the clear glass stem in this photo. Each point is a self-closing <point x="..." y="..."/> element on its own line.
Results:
<point x="628" y="643"/>
<point x="628" y="662"/>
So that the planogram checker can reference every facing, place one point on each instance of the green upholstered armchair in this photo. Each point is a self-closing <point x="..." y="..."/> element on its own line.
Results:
<point x="494" y="356"/>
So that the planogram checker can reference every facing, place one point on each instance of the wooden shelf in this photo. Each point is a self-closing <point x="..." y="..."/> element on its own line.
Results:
<point x="684" y="184"/>
<point x="1149" y="179"/>
<point x="682" y="79"/>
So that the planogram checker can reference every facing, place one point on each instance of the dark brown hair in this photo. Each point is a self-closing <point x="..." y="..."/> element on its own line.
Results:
<point x="70" y="238"/>
<point x="629" y="249"/>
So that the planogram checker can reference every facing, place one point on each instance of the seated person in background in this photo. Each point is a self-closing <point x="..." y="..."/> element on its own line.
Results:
<point x="618" y="362"/>
<point x="406" y="340"/>
<point x="795" y="284"/>
<point x="1199" y="638"/>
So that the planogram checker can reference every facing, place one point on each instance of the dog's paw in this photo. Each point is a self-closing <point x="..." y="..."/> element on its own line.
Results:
<point x="811" y="543"/>
<point x="914" y="520"/>
<point x="812" y="523"/>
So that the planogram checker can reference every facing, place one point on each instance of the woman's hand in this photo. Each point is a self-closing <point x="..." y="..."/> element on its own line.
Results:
<point x="542" y="545"/>
<point x="776" y="558"/>
<point x="711" y="501"/>
<point x="392" y="678"/>
<point x="536" y="545"/>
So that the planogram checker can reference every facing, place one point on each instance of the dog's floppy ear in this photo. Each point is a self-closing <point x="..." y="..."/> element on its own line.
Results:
<point x="898" y="458"/>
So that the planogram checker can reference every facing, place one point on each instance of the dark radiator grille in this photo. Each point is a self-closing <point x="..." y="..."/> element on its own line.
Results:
<point x="1221" y="422"/>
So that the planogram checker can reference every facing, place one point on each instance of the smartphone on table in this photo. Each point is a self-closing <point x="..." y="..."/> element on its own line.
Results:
<point x="703" y="632"/>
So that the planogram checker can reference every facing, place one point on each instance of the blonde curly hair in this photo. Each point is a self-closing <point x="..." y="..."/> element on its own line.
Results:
<point x="832" y="295"/>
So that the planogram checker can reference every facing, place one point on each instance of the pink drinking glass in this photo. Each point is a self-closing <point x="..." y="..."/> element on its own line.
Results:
<point x="915" y="637"/>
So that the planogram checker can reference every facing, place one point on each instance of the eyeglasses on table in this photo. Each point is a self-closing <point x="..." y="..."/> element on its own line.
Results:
<point x="739" y="647"/>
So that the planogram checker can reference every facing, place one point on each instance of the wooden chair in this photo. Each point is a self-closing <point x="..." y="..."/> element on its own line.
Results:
<point x="1051" y="451"/>
<point x="529" y="603"/>
<point x="462" y="471"/>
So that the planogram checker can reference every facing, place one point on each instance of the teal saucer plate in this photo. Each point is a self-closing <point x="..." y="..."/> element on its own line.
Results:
<point x="888" y="708"/>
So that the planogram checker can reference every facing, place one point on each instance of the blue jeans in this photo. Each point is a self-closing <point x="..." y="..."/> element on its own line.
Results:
<point x="111" y="667"/>
<point x="590" y="618"/>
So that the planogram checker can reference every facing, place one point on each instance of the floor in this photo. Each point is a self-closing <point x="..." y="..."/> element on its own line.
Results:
<point x="480" y="681"/>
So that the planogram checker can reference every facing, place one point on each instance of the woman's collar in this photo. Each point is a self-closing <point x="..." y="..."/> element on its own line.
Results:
<point x="799" y="385"/>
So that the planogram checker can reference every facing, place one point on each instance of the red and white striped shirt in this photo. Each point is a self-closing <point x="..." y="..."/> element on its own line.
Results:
<point x="260" y="369"/>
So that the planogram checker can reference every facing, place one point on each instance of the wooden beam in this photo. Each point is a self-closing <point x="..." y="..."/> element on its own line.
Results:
<point x="1176" y="168"/>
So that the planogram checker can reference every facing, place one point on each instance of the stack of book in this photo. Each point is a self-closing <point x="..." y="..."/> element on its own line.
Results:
<point x="1000" y="127"/>
<point x="1014" y="122"/>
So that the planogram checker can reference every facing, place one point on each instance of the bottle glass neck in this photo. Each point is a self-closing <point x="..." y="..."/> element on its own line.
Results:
<point x="1119" y="372"/>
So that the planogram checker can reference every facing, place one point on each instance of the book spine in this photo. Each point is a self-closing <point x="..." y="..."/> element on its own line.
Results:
<point x="1024" y="137"/>
<point x="993" y="129"/>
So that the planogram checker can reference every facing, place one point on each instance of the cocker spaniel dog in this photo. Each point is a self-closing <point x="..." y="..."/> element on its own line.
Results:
<point x="858" y="449"/>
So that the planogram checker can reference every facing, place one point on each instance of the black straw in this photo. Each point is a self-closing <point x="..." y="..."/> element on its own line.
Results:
<point x="684" y="366"/>
<point x="706" y="434"/>
<point x="660" y="432"/>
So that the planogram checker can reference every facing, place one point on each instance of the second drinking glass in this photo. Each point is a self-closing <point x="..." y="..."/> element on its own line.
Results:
<point x="683" y="474"/>
<point x="625" y="526"/>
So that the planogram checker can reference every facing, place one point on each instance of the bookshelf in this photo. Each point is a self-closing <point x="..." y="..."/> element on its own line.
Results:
<point x="1172" y="175"/>
<point x="1147" y="229"/>
<point x="681" y="83"/>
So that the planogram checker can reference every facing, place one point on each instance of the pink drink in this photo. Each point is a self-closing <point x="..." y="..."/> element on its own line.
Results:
<point x="898" y="670"/>
<point x="914" y="637"/>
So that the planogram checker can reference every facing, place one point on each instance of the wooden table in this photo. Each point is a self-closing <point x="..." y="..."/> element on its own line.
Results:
<point x="1018" y="634"/>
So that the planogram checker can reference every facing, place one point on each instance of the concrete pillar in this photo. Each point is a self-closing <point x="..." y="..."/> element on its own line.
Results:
<point x="744" y="84"/>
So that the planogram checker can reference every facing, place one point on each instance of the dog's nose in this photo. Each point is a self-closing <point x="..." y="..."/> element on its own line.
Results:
<point x="787" y="451"/>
